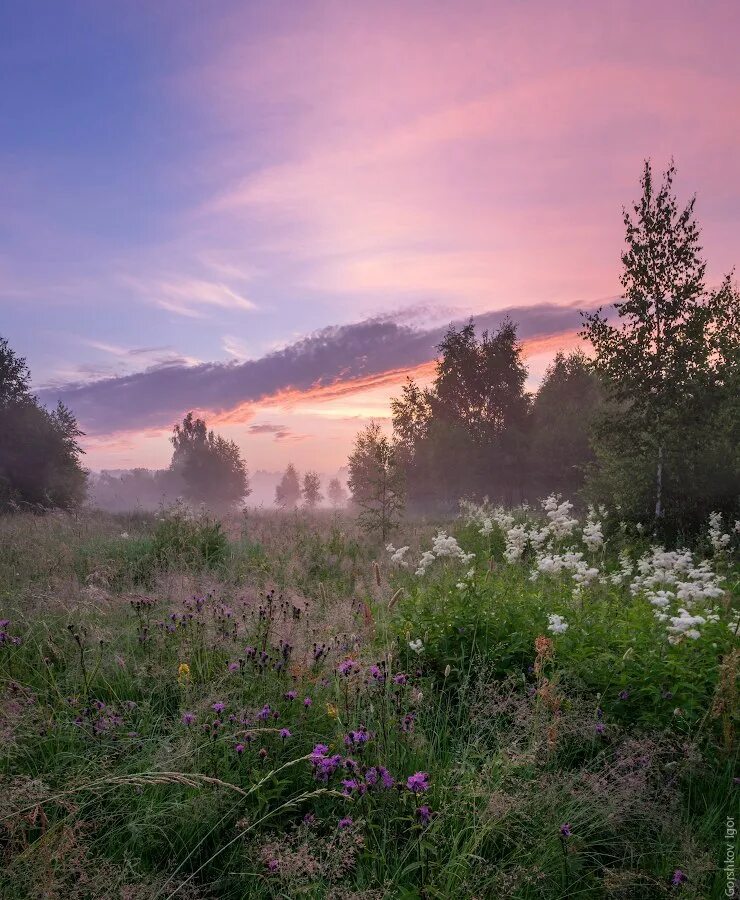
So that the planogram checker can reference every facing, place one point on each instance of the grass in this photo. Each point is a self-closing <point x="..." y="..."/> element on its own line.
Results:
<point x="123" y="628"/>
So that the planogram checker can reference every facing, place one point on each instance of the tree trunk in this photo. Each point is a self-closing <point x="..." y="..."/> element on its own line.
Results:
<point x="659" y="485"/>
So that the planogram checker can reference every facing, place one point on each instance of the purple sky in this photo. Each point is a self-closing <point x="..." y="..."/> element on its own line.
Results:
<point x="271" y="209"/>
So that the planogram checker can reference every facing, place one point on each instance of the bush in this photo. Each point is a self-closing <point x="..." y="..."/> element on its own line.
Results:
<point x="196" y="542"/>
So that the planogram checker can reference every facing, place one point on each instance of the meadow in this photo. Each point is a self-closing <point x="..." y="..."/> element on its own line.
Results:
<point x="514" y="703"/>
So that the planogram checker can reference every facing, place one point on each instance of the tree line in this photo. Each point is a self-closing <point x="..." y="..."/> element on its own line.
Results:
<point x="648" y="423"/>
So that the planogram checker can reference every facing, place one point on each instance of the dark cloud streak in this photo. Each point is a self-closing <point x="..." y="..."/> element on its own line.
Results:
<point x="157" y="397"/>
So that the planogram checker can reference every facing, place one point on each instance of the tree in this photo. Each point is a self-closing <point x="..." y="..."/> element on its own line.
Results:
<point x="337" y="494"/>
<point x="311" y="490"/>
<point x="465" y="434"/>
<point x="39" y="450"/>
<point x="376" y="481"/>
<point x="659" y="364"/>
<point x="288" y="491"/>
<point x="562" y="415"/>
<point x="211" y="467"/>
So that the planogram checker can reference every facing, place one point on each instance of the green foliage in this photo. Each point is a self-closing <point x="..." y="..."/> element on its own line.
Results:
<point x="376" y="481"/>
<point x="670" y="370"/>
<point x="193" y="542"/>
<point x="108" y="790"/>
<point x="39" y="451"/>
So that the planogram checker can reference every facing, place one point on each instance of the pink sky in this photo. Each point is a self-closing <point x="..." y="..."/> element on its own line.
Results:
<point x="247" y="174"/>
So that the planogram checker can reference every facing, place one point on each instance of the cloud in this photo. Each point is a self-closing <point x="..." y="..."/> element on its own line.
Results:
<point x="188" y="296"/>
<point x="266" y="428"/>
<point x="337" y="359"/>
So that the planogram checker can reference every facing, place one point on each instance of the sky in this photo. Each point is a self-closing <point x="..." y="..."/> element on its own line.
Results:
<point x="269" y="212"/>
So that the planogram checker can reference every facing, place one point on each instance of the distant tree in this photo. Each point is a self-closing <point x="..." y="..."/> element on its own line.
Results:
<point x="660" y="365"/>
<point x="376" y="481"/>
<point x="311" y="490"/>
<point x="211" y="467"/>
<point x="561" y="419"/>
<point x="288" y="491"/>
<point x="39" y="450"/>
<point x="337" y="494"/>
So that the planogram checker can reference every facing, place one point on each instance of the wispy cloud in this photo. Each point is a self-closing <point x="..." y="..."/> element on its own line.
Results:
<point x="191" y="297"/>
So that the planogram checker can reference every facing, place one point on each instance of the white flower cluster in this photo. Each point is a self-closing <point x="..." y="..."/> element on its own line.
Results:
<point x="397" y="555"/>
<point x="443" y="545"/>
<point x="557" y="624"/>
<point x="516" y="543"/>
<point x="571" y="561"/>
<point x="593" y="536"/>
<point x="719" y="539"/>
<point x="667" y="578"/>
<point x="558" y="514"/>
<point x="684" y="625"/>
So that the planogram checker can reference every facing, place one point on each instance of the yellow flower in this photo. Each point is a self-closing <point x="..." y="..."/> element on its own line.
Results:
<point x="183" y="673"/>
<point x="332" y="710"/>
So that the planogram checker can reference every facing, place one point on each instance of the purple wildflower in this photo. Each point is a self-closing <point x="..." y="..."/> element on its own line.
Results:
<point x="346" y="822"/>
<point x="623" y="695"/>
<point x="273" y="865"/>
<point x="424" y="814"/>
<point x="285" y="733"/>
<point x="401" y="678"/>
<point x="600" y="728"/>
<point x="678" y="877"/>
<point x="418" y="782"/>
<point x="290" y="695"/>
<point x="240" y="748"/>
<point x="218" y="707"/>
<point x="566" y="830"/>
<point x="308" y="702"/>
<point x="233" y="667"/>
<point x="347" y="666"/>
<point x="188" y="718"/>
<point x="264" y="713"/>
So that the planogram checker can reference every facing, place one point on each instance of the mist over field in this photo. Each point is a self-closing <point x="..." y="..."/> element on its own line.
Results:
<point x="369" y="450"/>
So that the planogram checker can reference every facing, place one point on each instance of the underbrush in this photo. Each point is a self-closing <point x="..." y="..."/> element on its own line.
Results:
<point x="270" y="714"/>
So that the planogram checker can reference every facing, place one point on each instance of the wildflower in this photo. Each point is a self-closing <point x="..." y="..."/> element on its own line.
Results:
<point x="407" y="723"/>
<point x="273" y="865"/>
<point x="290" y="695"/>
<point x="263" y="753"/>
<point x="347" y="666"/>
<point x="346" y="822"/>
<point x="183" y="673"/>
<point x="240" y="748"/>
<point x="307" y="702"/>
<point x="557" y="625"/>
<point x="377" y="674"/>
<point x="357" y="738"/>
<point x="600" y="728"/>
<point x="352" y="784"/>
<point x="565" y="830"/>
<point x="264" y="713"/>
<point x="623" y="695"/>
<point x="188" y="718"/>
<point x="418" y="782"/>
<point x="424" y="814"/>
<point x="233" y="667"/>
<point x="417" y="646"/>
<point x="218" y="706"/>
<point x="285" y="733"/>
<point x="400" y="678"/>
<point x="678" y="877"/>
